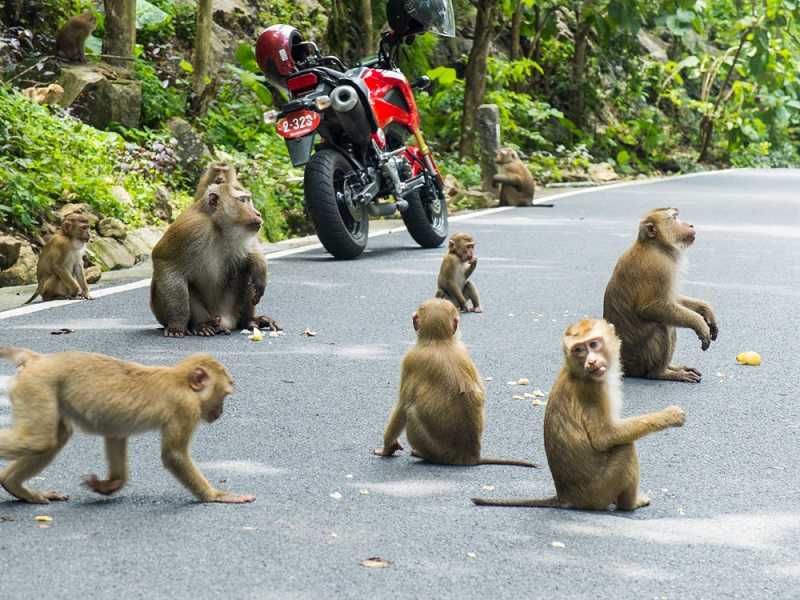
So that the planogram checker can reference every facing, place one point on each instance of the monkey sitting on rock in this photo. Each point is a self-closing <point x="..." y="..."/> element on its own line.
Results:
<point x="590" y="448"/>
<point x="208" y="274"/>
<point x="515" y="179"/>
<point x="71" y="38"/>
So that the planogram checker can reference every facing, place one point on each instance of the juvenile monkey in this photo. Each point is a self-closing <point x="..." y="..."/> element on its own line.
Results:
<point x="208" y="276"/>
<point x="590" y="449"/>
<point x="49" y="94"/>
<point x="115" y="399"/>
<point x="71" y="38"/>
<point x="515" y="179"/>
<point x="457" y="265"/>
<point x="59" y="271"/>
<point x="643" y="303"/>
<point x="442" y="398"/>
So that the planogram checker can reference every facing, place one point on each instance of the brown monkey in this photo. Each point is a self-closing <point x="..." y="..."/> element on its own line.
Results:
<point x="457" y="265"/>
<point x="49" y="94"/>
<point x="208" y="276"/>
<point x="71" y="38"/>
<point x="442" y="398"/>
<point x="590" y="449"/>
<point x="643" y="303"/>
<point x="515" y="179"/>
<point x="60" y="269"/>
<point x="115" y="399"/>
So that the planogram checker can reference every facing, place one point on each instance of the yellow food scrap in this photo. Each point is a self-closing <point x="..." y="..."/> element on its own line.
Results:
<point x="43" y="518"/>
<point x="749" y="358"/>
<point x="257" y="336"/>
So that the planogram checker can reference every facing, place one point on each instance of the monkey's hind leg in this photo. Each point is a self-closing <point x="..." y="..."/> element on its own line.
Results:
<point x="13" y="477"/>
<point x="471" y="293"/>
<point x="117" y="458"/>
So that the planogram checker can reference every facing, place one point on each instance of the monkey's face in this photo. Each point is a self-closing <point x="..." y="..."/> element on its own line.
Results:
<point x="212" y="383"/>
<point x="505" y="155"/>
<point x="463" y="246"/>
<point x="665" y="225"/>
<point x="436" y="319"/>
<point x="591" y="347"/>
<point x="233" y="207"/>
<point x="90" y="19"/>
<point x="77" y="227"/>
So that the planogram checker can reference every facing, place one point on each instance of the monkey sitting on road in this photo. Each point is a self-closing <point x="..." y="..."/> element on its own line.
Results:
<point x="59" y="271"/>
<point x="115" y="399"/>
<point x="643" y="303"/>
<point x="515" y="179"/>
<point x="442" y="398"/>
<point x="589" y="448"/>
<point x="457" y="265"/>
<point x="71" y="38"/>
<point x="208" y="275"/>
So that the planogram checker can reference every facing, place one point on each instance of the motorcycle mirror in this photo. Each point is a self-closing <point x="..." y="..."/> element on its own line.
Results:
<point x="421" y="83"/>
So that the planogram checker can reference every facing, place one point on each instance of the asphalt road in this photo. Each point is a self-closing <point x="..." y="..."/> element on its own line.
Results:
<point x="299" y="429"/>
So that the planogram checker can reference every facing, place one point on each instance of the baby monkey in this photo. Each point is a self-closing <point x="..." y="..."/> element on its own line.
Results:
<point x="590" y="449"/>
<point x="457" y="265"/>
<point x="442" y="398"/>
<point x="115" y="399"/>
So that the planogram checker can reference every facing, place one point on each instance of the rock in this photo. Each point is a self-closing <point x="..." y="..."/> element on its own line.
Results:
<point x="112" y="227"/>
<point x="93" y="274"/>
<point x="602" y="173"/>
<point x="99" y="100"/>
<point x="452" y="187"/>
<point x="163" y="204"/>
<point x="487" y="126"/>
<point x="23" y="271"/>
<point x="655" y="47"/>
<point x="223" y="48"/>
<point x="110" y="254"/>
<point x="190" y="150"/>
<point x="234" y="14"/>
<point x="121" y="195"/>
<point x="67" y="209"/>
<point x="9" y="251"/>
<point x="477" y="199"/>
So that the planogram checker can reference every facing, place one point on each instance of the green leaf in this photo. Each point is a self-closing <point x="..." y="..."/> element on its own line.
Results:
<point x="263" y="94"/>
<point x="186" y="66"/>
<point x="445" y="76"/>
<point x="148" y="14"/>
<point x="623" y="158"/>
<point x="246" y="57"/>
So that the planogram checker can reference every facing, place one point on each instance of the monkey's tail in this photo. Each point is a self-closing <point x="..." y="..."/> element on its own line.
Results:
<point x="32" y="298"/>
<point x="536" y="503"/>
<point x="19" y="356"/>
<point x="508" y="461"/>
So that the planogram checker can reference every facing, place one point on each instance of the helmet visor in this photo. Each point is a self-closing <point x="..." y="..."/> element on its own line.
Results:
<point x="436" y="16"/>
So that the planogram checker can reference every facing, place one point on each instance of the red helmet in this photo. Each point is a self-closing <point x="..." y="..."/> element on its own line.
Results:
<point x="278" y="50"/>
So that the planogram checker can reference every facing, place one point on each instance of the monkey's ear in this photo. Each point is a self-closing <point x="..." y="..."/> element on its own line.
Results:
<point x="649" y="229"/>
<point x="455" y="324"/>
<point x="213" y="200"/>
<point x="451" y="244"/>
<point x="415" y="321"/>
<point x="198" y="379"/>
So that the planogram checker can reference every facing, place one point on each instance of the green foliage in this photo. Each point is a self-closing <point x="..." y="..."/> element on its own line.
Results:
<point x="160" y="99"/>
<point x="46" y="158"/>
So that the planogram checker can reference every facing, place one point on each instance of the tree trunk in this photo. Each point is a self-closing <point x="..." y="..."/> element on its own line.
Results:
<point x="369" y="34"/>
<point x="120" y="32"/>
<point x="202" y="47"/>
<point x="475" y="75"/>
<point x="579" y="73"/>
<point x="516" y="26"/>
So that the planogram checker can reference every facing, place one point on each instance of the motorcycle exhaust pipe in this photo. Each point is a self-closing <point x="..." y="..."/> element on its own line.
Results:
<point x="387" y="210"/>
<point x="350" y="111"/>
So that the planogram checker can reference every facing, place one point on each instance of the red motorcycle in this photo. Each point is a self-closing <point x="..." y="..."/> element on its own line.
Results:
<point x="365" y="118"/>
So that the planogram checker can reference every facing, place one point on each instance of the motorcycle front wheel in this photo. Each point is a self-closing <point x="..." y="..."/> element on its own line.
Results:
<point x="342" y="229"/>
<point x="426" y="216"/>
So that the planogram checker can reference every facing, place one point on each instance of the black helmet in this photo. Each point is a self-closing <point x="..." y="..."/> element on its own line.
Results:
<point x="410" y="17"/>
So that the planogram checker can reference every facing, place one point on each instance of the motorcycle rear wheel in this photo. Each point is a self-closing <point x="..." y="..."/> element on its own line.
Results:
<point x="426" y="216"/>
<point x="342" y="233"/>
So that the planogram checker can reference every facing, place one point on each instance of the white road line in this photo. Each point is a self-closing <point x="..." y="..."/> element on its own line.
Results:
<point x="33" y="308"/>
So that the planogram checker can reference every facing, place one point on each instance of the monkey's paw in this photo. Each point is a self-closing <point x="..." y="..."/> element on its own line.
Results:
<point x="477" y="309"/>
<point x="174" y="332"/>
<point x="264" y="322"/>
<point x="676" y="417"/>
<point x="234" y="499"/>
<point x="386" y="452"/>
<point x="106" y="487"/>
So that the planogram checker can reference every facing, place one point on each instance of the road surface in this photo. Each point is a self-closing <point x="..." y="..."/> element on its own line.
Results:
<point x="299" y="429"/>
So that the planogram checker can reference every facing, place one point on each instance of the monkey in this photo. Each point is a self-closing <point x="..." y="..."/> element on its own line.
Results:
<point x="49" y="94"/>
<point x="52" y="393"/>
<point x="59" y="272"/>
<point x="442" y="398"/>
<point x="516" y="182"/>
<point x="71" y="38"/>
<point x="590" y="449"/>
<point x="457" y="265"/>
<point x="643" y="303"/>
<point x="208" y="275"/>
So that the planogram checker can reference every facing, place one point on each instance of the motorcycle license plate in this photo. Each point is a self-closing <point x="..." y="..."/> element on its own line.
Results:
<point x="298" y="124"/>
